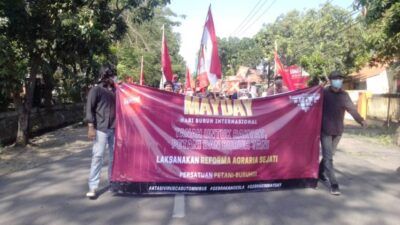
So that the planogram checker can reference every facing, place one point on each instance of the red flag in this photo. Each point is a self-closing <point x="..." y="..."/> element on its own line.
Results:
<point x="201" y="72"/>
<point x="188" y="84"/>
<point x="281" y="70"/>
<point x="141" y="73"/>
<point x="209" y="64"/>
<point x="296" y="76"/>
<point x="165" y="62"/>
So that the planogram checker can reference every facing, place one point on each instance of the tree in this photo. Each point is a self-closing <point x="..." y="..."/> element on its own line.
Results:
<point x="383" y="20"/>
<point x="43" y="36"/>
<point x="235" y="52"/>
<point x="144" y="39"/>
<point x="319" y="40"/>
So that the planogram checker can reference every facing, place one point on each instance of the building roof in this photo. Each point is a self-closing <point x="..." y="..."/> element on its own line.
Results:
<point x="242" y="71"/>
<point x="368" y="71"/>
<point x="254" y="78"/>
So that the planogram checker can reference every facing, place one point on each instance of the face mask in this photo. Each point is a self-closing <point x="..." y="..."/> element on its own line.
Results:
<point x="337" y="83"/>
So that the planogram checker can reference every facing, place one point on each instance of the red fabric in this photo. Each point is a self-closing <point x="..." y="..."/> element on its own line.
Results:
<point x="298" y="80"/>
<point x="187" y="83"/>
<point x="215" y="67"/>
<point x="152" y="124"/>
<point x="209" y="62"/>
<point x="281" y="71"/>
<point x="165" y="60"/>
<point x="202" y="75"/>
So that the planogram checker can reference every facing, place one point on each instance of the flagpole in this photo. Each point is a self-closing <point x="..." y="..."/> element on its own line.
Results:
<point x="141" y="72"/>
<point x="162" y="48"/>
<point x="275" y="67"/>
<point x="276" y="50"/>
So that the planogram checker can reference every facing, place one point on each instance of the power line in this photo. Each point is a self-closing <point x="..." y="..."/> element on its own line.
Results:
<point x="328" y="2"/>
<point x="247" y="17"/>
<point x="262" y="14"/>
<point x="338" y="32"/>
<point x="329" y="23"/>
<point x="255" y="13"/>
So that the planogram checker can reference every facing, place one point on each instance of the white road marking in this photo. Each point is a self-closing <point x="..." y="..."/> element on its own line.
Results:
<point x="179" y="206"/>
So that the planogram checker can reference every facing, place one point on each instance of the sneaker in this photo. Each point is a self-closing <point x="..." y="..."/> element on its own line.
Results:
<point x="335" y="189"/>
<point x="91" y="193"/>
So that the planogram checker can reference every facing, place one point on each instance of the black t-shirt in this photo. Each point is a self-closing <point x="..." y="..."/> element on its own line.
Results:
<point x="100" y="107"/>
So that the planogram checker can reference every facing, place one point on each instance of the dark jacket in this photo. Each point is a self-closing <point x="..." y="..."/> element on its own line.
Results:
<point x="335" y="105"/>
<point x="100" y="107"/>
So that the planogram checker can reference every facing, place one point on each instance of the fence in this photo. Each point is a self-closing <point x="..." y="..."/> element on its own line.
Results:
<point x="41" y="120"/>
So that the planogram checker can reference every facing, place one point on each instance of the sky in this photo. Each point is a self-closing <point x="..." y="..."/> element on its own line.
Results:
<point x="231" y="18"/>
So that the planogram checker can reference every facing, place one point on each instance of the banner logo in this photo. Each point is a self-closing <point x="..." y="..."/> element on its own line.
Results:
<point x="305" y="101"/>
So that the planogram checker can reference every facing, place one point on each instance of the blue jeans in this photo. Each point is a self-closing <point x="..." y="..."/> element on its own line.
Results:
<point x="329" y="145"/>
<point x="99" y="145"/>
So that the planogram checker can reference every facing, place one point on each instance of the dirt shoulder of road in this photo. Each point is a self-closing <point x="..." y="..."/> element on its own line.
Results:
<point x="43" y="149"/>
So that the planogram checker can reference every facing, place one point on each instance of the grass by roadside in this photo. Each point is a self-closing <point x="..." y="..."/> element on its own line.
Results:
<point x="377" y="132"/>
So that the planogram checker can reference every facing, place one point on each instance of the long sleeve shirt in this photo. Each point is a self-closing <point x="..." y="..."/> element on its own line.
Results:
<point x="100" y="108"/>
<point x="335" y="105"/>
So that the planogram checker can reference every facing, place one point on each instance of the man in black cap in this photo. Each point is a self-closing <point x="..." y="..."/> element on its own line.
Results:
<point x="100" y="115"/>
<point x="336" y="102"/>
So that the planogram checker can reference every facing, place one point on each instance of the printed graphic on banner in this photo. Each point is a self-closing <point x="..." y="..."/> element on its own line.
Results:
<point x="167" y="142"/>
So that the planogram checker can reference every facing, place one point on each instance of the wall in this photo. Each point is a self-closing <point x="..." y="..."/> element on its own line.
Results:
<point x="378" y="84"/>
<point x="41" y="120"/>
<point x="377" y="107"/>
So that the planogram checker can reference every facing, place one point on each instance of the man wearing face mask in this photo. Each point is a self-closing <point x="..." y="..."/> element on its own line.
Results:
<point x="336" y="102"/>
<point x="278" y="87"/>
<point x="100" y="115"/>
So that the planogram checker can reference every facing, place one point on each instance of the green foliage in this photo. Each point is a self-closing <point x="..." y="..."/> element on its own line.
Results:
<point x="144" y="39"/>
<point x="322" y="40"/>
<point x="383" y="20"/>
<point x="12" y="71"/>
<point x="236" y="52"/>
<point x="73" y="35"/>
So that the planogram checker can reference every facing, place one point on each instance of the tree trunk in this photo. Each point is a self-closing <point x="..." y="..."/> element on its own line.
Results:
<point x="25" y="107"/>
<point x="19" y="107"/>
<point x="48" y="86"/>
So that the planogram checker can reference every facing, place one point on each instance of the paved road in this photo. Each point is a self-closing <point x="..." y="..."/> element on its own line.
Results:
<point x="53" y="193"/>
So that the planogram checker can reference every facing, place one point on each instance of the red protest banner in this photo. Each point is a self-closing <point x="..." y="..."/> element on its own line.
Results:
<point x="166" y="142"/>
<point x="297" y="79"/>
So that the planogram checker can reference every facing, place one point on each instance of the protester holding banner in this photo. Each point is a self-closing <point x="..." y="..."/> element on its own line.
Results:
<point x="100" y="115"/>
<point x="176" y="84"/>
<point x="278" y="87"/>
<point x="336" y="102"/>
<point x="178" y="88"/>
<point x="168" y="86"/>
